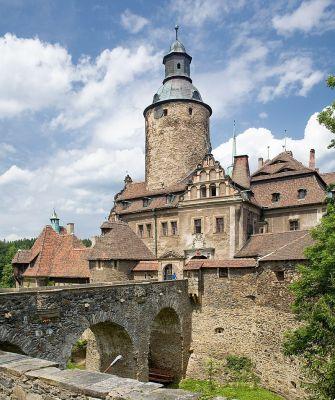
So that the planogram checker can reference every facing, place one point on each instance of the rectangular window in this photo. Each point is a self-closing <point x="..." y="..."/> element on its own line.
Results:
<point x="140" y="230"/>
<point x="164" y="228"/>
<point x="223" y="272"/>
<point x="149" y="230"/>
<point x="294" y="225"/>
<point x="280" y="275"/>
<point x="174" y="228"/>
<point x="219" y="223"/>
<point x="197" y="226"/>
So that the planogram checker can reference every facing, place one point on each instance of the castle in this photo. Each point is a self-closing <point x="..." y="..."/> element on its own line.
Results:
<point x="235" y="236"/>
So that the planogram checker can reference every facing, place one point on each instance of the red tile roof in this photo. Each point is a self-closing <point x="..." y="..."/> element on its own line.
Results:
<point x="329" y="177"/>
<point x="227" y="263"/>
<point x="120" y="243"/>
<point x="146" y="266"/>
<point x="262" y="245"/>
<point x="55" y="255"/>
<point x="135" y="190"/>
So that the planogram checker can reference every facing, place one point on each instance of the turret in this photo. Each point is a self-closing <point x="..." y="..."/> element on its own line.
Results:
<point x="177" y="123"/>
<point x="55" y="222"/>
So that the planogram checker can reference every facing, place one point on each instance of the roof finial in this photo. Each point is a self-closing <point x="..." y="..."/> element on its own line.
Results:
<point x="176" y="29"/>
<point x="268" y="152"/>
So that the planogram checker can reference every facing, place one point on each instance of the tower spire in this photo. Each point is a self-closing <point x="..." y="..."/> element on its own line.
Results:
<point x="234" y="143"/>
<point x="176" y="29"/>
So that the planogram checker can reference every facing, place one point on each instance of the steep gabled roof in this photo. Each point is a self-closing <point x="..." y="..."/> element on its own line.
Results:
<point x="120" y="243"/>
<point x="144" y="266"/>
<point x="55" y="255"/>
<point x="267" y="244"/>
<point x="284" y="164"/>
<point x="135" y="190"/>
<point x="329" y="178"/>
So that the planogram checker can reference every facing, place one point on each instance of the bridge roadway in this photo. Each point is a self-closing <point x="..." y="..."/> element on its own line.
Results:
<point x="148" y="323"/>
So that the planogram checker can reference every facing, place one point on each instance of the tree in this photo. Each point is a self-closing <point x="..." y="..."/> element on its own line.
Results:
<point x="327" y="116"/>
<point x="314" y="341"/>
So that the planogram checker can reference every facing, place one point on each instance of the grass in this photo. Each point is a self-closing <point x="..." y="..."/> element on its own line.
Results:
<point x="238" y="391"/>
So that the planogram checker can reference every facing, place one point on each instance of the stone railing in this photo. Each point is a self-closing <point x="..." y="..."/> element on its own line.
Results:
<point x="26" y="378"/>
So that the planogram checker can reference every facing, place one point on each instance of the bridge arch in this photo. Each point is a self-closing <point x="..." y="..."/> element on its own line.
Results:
<point x="166" y="344"/>
<point x="104" y="341"/>
<point x="13" y="342"/>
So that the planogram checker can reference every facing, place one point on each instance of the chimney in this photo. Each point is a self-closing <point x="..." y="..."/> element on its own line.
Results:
<point x="260" y="162"/>
<point x="70" y="228"/>
<point x="241" y="172"/>
<point x="312" y="159"/>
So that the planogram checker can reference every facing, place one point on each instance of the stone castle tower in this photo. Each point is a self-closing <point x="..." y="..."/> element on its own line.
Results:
<point x="176" y="124"/>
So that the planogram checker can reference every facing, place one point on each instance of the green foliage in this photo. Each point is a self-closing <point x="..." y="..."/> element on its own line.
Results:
<point x="314" y="341"/>
<point x="212" y="368"/>
<point x="87" y="242"/>
<point x="7" y="252"/>
<point x="240" y="369"/>
<point x="80" y="344"/>
<point x="327" y="116"/>
<point x="238" y="391"/>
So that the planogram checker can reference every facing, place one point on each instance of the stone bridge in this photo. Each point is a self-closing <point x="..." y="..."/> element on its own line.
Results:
<point x="148" y="323"/>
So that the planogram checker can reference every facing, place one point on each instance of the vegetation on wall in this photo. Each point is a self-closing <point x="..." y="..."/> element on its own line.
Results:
<point x="7" y="252"/>
<point x="314" y="341"/>
<point x="327" y="116"/>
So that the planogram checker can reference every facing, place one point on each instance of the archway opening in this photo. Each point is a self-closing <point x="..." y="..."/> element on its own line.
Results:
<point x="168" y="273"/>
<point x="11" y="348"/>
<point x="166" y="348"/>
<point x="105" y="347"/>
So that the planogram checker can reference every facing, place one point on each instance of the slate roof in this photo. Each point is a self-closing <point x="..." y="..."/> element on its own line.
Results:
<point x="120" y="243"/>
<point x="284" y="245"/>
<point x="146" y="266"/>
<point x="227" y="263"/>
<point x="55" y="255"/>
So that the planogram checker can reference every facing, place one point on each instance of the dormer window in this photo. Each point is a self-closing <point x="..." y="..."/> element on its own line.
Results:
<point x="275" y="197"/>
<point x="146" y="201"/>
<point x="125" y="204"/>
<point x="302" y="193"/>
<point x="170" y="198"/>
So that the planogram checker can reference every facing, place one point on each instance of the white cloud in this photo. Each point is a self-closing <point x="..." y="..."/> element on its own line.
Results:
<point x="15" y="175"/>
<point x="310" y="15"/>
<point x="6" y="149"/>
<point x="254" y="142"/>
<point x="34" y="75"/>
<point x="252" y="73"/>
<point x="263" y="115"/>
<point x="198" y="12"/>
<point x="132" y="22"/>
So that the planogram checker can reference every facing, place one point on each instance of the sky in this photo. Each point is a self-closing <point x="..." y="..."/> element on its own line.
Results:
<point x="76" y="75"/>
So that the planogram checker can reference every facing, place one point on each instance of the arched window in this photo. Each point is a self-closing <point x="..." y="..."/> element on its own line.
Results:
<point x="178" y="66"/>
<point x="212" y="190"/>
<point x="167" y="273"/>
<point x="203" y="191"/>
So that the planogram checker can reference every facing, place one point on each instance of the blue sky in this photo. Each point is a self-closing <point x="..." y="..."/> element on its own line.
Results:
<point x="75" y="77"/>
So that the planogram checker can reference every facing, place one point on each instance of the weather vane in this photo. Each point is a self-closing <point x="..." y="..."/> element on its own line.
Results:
<point x="176" y="29"/>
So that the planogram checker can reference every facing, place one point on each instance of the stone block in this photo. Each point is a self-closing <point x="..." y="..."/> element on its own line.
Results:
<point x="20" y="366"/>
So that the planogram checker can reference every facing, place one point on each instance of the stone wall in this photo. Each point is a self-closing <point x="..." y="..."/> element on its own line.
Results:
<point x="47" y="322"/>
<point x="253" y="312"/>
<point x="176" y="142"/>
<point x="25" y="378"/>
<point x="111" y="271"/>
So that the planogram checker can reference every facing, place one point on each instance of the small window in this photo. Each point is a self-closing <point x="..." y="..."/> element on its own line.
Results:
<point x="280" y="275"/>
<point x="165" y="112"/>
<point x="170" y="198"/>
<point x="125" y="204"/>
<point x="149" y="230"/>
<point x="197" y="226"/>
<point x="223" y="272"/>
<point x="294" y="225"/>
<point x="146" y="201"/>
<point x="164" y="228"/>
<point x="190" y="111"/>
<point x="275" y="197"/>
<point x="140" y="230"/>
<point x="178" y="66"/>
<point x="219" y="330"/>
<point x="212" y="190"/>
<point x="219" y="223"/>
<point x="174" y="228"/>
<point x="203" y="191"/>
<point x="302" y="193"/>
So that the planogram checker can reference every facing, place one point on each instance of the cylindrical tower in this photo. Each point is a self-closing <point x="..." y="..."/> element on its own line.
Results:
<point x="176" y="124"/>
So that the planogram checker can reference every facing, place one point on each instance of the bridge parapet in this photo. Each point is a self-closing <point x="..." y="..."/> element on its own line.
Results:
<point x="24" y="377"/>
